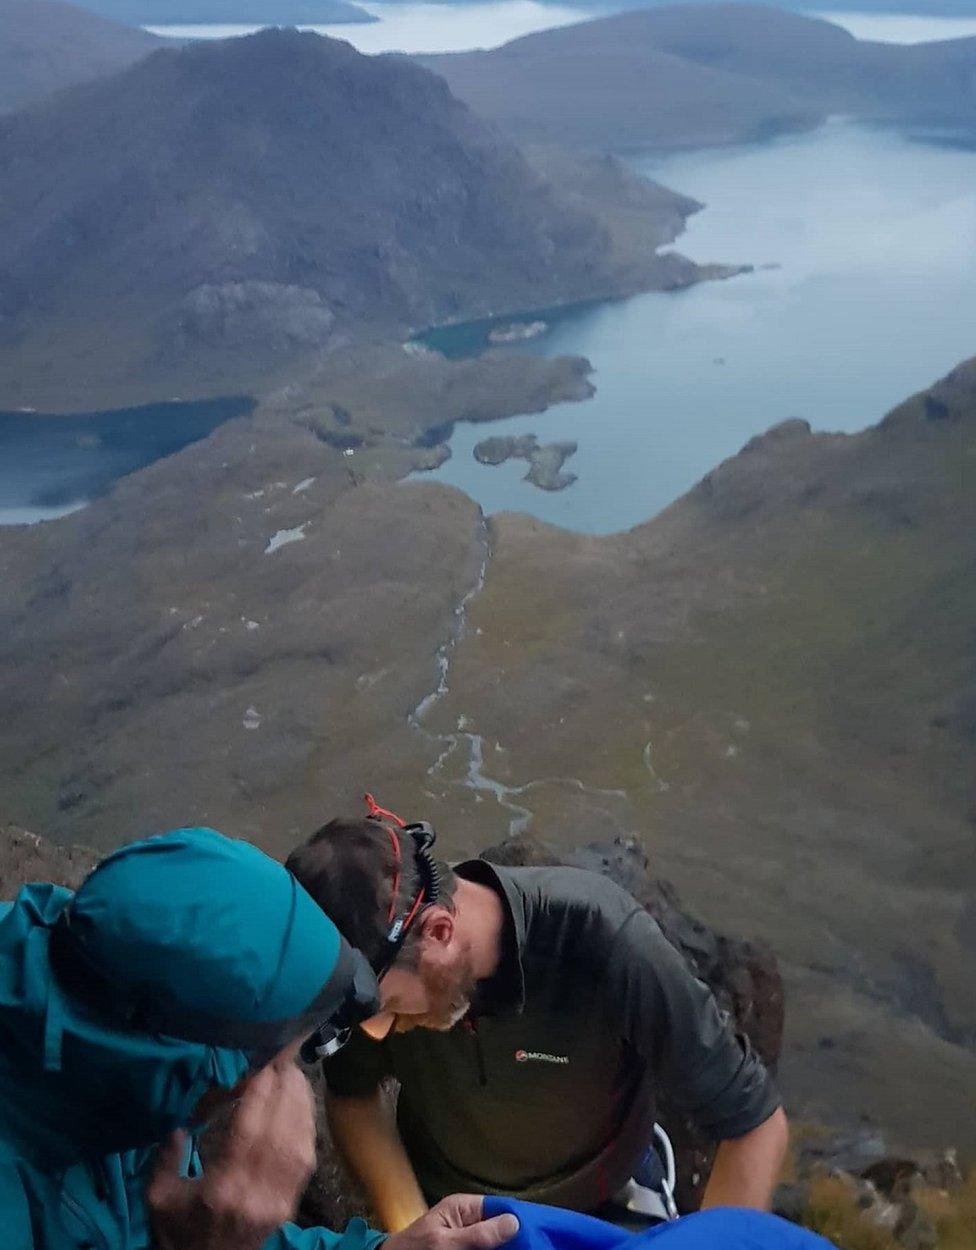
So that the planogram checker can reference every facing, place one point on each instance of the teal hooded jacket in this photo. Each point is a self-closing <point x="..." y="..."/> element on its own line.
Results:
<point x="207" y="921"/>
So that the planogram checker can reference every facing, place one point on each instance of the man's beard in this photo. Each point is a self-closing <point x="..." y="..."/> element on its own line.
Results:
<point x="450" y="995"/>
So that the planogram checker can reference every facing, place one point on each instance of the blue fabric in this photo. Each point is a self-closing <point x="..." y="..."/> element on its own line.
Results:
<point x="216" y="924"/>
<point x="718" y="1228"/>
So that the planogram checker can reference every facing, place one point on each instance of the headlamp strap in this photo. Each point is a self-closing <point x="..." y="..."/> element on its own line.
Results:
<point x="373" y="809"/>
<point x="423" y="837"/>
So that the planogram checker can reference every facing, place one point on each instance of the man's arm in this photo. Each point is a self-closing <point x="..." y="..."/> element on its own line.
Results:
<point x="364" y="1131"/>
<point x="672" y="1020"/>
<point x="251" y="1187"/>
<point x="747" y="1168"/>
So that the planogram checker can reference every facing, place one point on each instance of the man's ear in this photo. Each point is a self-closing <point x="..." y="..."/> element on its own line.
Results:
<point x="437" y="925"/>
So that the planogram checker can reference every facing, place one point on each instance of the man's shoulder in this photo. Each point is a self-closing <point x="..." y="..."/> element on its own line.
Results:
<point x="570" y="902"/>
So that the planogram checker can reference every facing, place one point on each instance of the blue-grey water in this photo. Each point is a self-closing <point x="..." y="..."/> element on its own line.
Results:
<point x="873" y="233"/>
<point x="403" y="26"/>
<point x="52" y="465"/>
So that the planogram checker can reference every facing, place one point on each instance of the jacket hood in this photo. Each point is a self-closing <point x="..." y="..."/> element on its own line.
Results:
<point x="70" y="1087"/>
<point x="211" y="927"/>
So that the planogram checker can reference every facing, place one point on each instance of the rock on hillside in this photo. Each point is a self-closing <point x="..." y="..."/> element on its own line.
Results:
<point x="46" y="45"/>
<point x="155" y="223"/>
<point x="704" y="74"/>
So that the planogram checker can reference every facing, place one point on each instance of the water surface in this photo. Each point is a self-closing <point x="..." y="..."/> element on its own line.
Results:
<point x="53" y="465"/>
<point x="874" y="297"/>
<point x="422" y="27"/>
<point x="461" y="27"/>
<point x="902" y="27"/>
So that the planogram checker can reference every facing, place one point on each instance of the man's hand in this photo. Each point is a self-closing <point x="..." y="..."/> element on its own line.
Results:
<point x="253" y="1183"/>
<point x="456" y="1223"/>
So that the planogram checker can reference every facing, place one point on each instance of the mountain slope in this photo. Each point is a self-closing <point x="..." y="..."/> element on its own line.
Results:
<point x="776" y="680"/>
<point x="773" y="681"/>
<point x="191" y="221"/>
<point x="701" y="74"/>
<point x="46" y="45"/>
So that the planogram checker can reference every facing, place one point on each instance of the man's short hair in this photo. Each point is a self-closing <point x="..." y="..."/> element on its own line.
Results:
<point x="349" y="867"/>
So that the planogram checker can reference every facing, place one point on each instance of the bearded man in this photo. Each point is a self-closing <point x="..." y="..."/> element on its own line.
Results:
<point x="529" y="1016"/>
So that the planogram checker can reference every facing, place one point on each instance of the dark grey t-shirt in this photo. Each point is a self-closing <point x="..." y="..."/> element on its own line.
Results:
<point x="548" y="1094"/>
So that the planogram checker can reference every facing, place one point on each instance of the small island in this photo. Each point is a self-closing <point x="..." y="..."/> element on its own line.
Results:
<point x="517" y="331"/>
<point x="545" y="460"/>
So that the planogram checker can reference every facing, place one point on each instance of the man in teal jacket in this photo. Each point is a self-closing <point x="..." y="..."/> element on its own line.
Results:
<point x="177" y="984"/>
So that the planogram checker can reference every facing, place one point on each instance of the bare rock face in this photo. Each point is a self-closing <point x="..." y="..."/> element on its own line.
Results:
<point x="271" y="314"/>
<point x="743" y="975"/>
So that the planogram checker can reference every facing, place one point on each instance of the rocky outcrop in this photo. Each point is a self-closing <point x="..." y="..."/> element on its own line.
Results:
<point x="546" y="460"/>
<point x="413" y="395"/>
<point x="743" y="975"/>
<point x="236" y="315"/>
<point x="847" y="1186"/>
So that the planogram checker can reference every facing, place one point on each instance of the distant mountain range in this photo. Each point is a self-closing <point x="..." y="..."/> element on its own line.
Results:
<point x="46" y="45"/>
<point x="216" y="208"/>
<point x="704" y="74"/>
<point x="243" y="12"/>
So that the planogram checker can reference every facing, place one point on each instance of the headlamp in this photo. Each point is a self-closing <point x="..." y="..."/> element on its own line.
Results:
<point x="360" y="1001"/>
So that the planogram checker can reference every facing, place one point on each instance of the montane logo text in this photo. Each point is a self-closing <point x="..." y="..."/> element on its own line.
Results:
<point x="539" y="1056"/>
